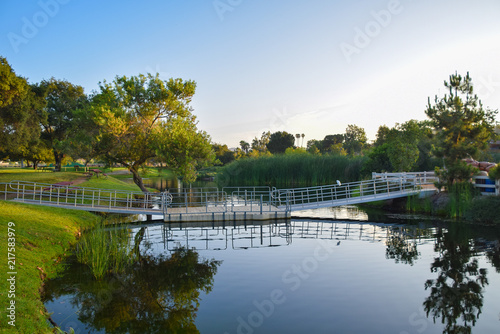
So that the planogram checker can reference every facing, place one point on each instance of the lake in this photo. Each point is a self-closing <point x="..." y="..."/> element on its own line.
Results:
<point x="344" y="274"/>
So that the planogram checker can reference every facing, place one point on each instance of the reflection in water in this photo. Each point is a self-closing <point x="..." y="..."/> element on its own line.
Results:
<point x="162" y="294"/>
<point x="456" y="295"/>
<point x="402" y="245"/>
<point x="158" y="295"/>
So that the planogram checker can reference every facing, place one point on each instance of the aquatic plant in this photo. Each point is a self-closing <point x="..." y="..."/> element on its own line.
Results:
<point x="461" y="196"/>
<point x="292" y="170"/>
<point x="104" y="249"/>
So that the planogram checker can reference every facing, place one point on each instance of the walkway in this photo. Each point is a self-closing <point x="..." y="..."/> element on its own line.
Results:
<point x="212" y="204"/>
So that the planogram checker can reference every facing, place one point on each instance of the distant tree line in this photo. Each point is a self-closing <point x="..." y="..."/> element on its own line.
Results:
<point x="137" y="120"/>
<point x="458" y="127"/>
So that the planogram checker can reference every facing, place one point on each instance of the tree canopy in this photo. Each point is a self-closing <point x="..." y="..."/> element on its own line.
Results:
<point x="463" y="127"/>
<point x="142" y="117"/>
<point x="280" y="141"/>
<point x="19" y="124"/>
<point x="62" y="100"/>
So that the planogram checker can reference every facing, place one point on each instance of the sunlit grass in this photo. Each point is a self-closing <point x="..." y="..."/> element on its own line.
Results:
<point x="43" y="236"/>
<point x="7" y="175"/>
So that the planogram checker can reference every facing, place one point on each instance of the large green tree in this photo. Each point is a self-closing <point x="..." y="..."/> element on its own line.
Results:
<point x="141" y="118"/>
<point x="354" y="139"/>
<point x="403" y="148"/>
<point x="62" y="100"/>
<point x="19" y="124"/>
<point x="463" y="127"/>
<point x="280" y="141"/>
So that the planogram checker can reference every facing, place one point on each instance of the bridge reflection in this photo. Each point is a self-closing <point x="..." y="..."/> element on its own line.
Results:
<point x="257" y="234"/>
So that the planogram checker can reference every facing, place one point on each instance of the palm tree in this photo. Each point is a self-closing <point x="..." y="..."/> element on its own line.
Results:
<point x="298" y="138"/>
<point x="303" y="135"/>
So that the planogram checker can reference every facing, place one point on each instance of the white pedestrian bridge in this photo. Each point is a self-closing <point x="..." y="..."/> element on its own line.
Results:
<point x="213" y="204"/>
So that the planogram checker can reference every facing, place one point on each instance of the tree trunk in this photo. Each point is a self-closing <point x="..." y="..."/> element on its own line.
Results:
<point x="58" y="156"/>
<point x="137" y="178"/>
<point x="35" y="164"/>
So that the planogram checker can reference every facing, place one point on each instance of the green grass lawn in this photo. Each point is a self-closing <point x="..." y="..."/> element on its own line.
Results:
<point x="7" y="175"/>
<point x="43" y="236"/>
<point x="109" y="182"/>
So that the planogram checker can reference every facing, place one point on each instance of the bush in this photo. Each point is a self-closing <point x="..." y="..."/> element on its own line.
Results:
<point x="484" y="209"/>
<point x="494" y="172"/>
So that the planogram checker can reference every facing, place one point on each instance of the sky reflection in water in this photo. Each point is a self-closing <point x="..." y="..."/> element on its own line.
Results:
<point x="297" y="277"/>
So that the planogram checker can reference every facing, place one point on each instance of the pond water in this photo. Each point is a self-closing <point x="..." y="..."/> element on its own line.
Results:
<point x="301" y="276"/>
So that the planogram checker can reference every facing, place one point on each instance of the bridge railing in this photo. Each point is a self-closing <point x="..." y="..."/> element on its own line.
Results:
<point x="420" y="178"/>
<point x="175" y="201"/>
<point x="375" y="188"/>
<point x="65" y="194"/>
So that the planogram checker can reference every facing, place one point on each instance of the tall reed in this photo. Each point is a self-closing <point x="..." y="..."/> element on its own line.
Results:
<point x="104" y="249"/>
<point x="461" y="195"/>
<point x="291" y="170"/>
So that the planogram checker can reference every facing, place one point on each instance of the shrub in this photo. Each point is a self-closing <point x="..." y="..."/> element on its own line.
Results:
<point x="484" y="209"/>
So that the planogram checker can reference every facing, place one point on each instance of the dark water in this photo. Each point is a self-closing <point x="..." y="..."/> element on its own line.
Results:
<point x="302" y="276"/>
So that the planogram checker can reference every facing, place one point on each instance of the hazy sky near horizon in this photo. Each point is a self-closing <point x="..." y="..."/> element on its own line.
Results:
<point x="309" y="67"/>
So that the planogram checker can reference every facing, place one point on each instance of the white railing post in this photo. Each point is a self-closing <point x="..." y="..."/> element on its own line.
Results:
<point x="261" y="197"/>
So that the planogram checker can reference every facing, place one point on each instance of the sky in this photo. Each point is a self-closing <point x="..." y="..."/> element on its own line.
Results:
<point x="310" y="67"/>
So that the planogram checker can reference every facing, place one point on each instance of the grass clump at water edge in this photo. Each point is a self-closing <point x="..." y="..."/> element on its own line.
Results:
<point x="105" y="249"/>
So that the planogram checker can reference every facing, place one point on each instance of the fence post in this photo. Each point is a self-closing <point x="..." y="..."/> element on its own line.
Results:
<point x="261" y="196"/>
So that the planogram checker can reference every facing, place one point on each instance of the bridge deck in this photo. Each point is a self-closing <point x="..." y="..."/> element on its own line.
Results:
<point x="212" y="204"/>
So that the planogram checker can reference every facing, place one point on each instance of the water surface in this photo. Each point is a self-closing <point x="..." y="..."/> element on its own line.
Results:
<point x="302" y="276"/>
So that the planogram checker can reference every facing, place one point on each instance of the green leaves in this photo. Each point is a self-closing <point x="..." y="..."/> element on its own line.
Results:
<point x="463" y="126"/>
<point x="141" y="118"/>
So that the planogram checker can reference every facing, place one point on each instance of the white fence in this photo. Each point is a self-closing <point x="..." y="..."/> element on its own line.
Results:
<point x="485" y="185"/>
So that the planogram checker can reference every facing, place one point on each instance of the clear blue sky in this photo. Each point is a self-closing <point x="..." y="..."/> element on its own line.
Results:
<point x="309" y="67"/>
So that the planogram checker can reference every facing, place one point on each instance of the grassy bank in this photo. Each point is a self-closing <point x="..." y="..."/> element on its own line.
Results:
<point x="43" y="236"/>
<point x="294" y="170"/>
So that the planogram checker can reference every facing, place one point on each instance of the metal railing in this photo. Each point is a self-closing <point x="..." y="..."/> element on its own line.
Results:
<point x="349" y="193"/>
<point x="191" y="201"/>
<point x="417" y="177"/>
<point x="195" y="201"/>
<point x="90" y="199"/>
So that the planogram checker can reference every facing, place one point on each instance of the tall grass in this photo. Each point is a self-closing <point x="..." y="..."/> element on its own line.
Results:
<point x="414" y="204"/>
<point x="291" y="170"/>
<point x="461" y="196"/>
<point x="104" y="250"/>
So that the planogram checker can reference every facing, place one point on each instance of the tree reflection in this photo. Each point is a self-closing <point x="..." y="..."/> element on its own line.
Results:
<point x="456" y="296"/>
<point x="158" y="295"/>
<point x="401" y="246"/>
